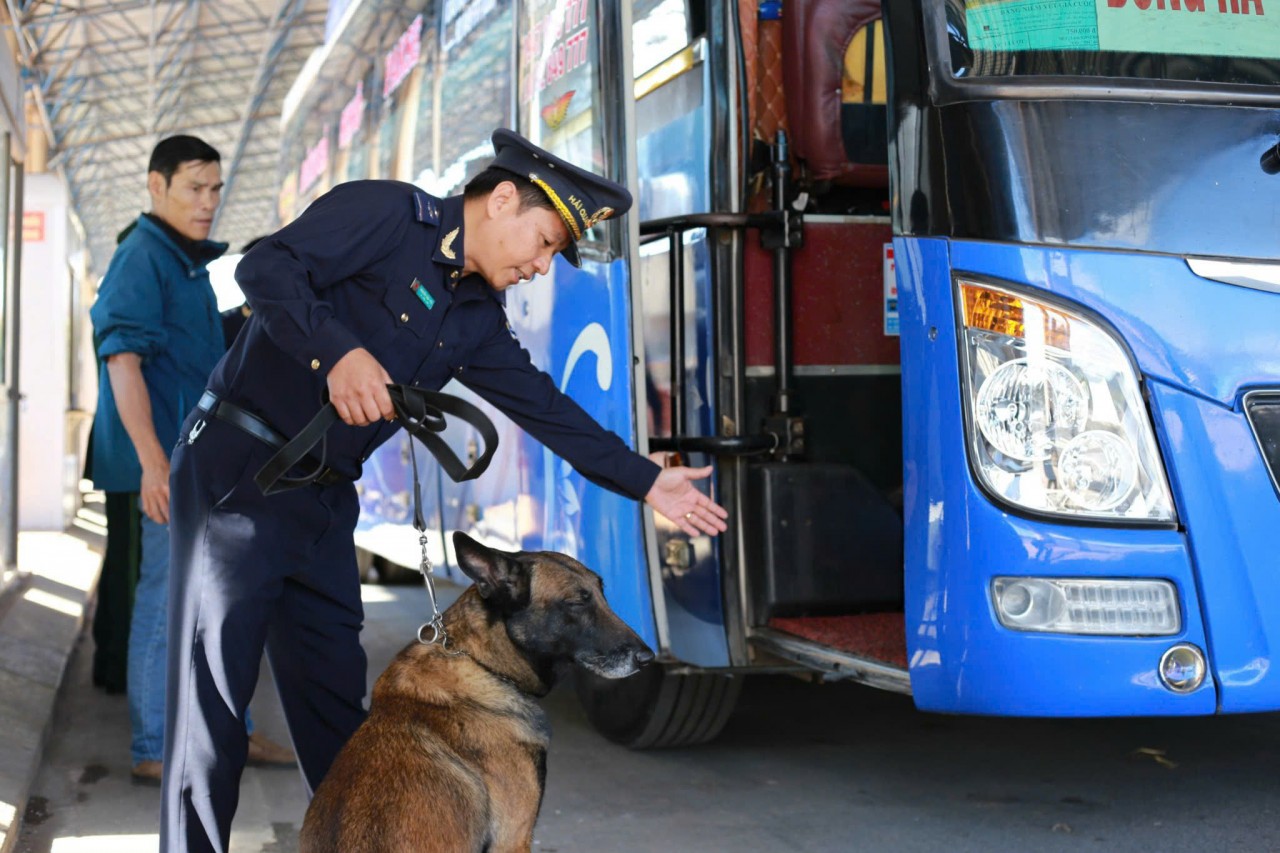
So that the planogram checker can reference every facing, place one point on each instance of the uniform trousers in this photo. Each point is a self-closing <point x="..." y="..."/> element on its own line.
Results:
<point x="251" y="573"/>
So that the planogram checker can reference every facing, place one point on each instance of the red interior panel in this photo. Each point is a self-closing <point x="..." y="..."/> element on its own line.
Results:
<point x="838" y="297"/>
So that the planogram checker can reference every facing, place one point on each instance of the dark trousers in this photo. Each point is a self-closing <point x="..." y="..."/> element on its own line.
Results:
<point x="250" y="573"/>
<point x="115" y="591"/>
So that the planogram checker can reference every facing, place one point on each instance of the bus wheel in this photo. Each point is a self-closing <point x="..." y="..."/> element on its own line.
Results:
<point x="658" y="708"/>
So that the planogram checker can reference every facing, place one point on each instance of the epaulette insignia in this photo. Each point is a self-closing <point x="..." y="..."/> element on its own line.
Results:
<point x="427" y="209"/>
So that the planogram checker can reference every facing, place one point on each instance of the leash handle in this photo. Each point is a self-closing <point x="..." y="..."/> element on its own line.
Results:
<point x="423" y="414"/>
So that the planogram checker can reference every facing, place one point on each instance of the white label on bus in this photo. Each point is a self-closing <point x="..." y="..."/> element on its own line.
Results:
<point x="890" y="292"/>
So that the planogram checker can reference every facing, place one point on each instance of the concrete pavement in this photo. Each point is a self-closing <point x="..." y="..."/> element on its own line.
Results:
<point x="41" y="618"/>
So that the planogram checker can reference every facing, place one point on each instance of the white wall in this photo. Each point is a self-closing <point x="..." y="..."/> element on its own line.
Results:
<point x="47" y="454"/>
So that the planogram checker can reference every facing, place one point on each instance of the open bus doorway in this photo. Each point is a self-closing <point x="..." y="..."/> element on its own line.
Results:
<point x="781" y="361"/>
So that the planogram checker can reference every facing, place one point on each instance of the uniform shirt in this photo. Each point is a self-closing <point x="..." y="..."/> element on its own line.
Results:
<point x="155" y="301"/>
<point x="378" y="264"/>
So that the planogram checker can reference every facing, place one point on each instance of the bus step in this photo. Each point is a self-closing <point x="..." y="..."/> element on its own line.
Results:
<point x="870" y="648"/>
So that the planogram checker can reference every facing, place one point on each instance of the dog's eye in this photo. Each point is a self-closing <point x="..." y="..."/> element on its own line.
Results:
<point x="581" y="599"/>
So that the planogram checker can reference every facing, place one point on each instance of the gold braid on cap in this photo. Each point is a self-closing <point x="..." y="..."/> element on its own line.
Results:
<point x="561" y="207"/>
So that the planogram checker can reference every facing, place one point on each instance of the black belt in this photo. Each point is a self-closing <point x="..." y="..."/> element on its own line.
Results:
<point x="422" y="413"/>
<point x="261" y="430"/>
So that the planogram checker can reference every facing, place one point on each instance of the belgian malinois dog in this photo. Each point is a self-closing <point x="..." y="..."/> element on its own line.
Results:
<point x="452" y="758"/>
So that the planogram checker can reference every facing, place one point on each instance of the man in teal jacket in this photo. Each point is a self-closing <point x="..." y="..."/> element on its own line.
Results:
<point x="158" y="334"/>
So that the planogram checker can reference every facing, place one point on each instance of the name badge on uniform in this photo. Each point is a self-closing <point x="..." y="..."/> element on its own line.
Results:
<point x="423" y="294"/>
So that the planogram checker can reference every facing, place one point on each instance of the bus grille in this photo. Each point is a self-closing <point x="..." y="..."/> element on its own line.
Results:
<point x="1263" y="410"/>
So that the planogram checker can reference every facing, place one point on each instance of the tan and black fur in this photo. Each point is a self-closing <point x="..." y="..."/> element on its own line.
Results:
<point x="453" y="755"/>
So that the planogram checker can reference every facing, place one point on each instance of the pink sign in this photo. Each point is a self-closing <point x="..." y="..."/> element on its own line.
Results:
<point x="315" y="164"/>
<point x="402" y="58"/>
<point x="352" y="117"/>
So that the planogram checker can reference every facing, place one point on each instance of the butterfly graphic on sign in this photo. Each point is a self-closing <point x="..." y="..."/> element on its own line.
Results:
<point x="554" y="113"/>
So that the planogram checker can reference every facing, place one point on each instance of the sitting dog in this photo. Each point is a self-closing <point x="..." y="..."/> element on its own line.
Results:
<point x="453" y="755"/>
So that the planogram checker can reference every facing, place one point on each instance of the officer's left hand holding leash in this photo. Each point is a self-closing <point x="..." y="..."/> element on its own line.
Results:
<point x="358" y="389"/>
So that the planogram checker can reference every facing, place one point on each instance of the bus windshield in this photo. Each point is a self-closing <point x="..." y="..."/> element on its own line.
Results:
<point x="1223" y="42"/>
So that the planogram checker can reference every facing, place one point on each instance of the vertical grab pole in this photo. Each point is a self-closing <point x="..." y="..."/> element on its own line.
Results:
<point x="675" y="260"/>
<point x="783" y="402"/>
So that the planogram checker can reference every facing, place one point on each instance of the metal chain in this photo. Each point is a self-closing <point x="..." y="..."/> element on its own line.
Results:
<point x="438" y="633"/>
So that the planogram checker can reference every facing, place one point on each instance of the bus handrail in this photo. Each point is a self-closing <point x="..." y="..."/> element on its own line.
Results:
<point x="782" y="229"/>
<point x="662" y="227"/>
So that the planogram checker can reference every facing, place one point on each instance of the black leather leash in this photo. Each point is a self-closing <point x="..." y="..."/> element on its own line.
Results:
<point x="423" y="414"/>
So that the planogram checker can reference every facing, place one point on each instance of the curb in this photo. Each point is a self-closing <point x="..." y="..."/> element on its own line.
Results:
<point x="40" y="620"/>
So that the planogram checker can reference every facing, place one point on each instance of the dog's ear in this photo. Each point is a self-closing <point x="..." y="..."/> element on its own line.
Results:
<point x="499" y="579"/>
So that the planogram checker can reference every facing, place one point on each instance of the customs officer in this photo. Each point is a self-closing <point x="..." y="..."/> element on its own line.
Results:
<point x="376" y="282"/>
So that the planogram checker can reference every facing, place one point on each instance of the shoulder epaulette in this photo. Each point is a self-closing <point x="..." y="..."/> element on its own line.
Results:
<point x="427" y="208"/>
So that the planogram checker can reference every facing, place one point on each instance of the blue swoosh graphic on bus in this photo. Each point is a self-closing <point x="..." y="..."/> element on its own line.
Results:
<point x="592" y="339"/>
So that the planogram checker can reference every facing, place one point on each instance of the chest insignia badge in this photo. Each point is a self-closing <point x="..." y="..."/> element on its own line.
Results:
<point x="446" y="245"/>
<point x="423" y="294"/>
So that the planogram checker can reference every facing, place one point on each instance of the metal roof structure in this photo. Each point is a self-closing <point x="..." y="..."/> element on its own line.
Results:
<point x="110" y="78"/>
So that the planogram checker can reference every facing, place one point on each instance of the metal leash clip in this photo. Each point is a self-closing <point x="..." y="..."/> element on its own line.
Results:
<point x="438" y="633"/>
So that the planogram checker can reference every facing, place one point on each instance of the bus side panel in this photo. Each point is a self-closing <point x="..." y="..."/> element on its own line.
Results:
<point x="576" y="328"/>
<point x="956" y="541"/>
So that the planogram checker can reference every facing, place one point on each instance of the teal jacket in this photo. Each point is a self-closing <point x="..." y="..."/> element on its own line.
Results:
<point x="155" y="301"/>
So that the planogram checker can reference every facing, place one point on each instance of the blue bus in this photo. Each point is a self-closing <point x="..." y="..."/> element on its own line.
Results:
<point x="972" y="304"/>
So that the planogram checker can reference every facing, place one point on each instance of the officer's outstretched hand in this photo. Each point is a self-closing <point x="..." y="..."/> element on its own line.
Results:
<point x="358" y="389"/>
<point x="674" y="496"/>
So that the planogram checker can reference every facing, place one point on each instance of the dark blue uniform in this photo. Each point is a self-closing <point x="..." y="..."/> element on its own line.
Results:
<point x="373" y="264"/>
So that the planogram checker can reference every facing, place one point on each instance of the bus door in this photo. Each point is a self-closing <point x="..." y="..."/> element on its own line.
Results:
<point x="673" y="132"/>
<point x="1085" y="207"/>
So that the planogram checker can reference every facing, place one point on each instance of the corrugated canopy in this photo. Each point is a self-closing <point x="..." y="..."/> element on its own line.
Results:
<point x="112" y="77"/>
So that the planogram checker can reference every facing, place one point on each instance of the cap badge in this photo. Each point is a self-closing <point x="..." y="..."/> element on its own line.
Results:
<point x="601" y="214"/>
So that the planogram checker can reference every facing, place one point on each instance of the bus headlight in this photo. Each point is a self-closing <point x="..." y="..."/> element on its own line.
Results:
<point x="1056" y="422"/>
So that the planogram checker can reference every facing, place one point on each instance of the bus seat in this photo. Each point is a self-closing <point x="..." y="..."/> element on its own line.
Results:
<point x="771" y="105"/>
<point x="761" y="31"/>
<point x="834" y="76"/>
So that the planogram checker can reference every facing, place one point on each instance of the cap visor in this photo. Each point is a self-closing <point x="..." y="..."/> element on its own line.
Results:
<point x="570" y="253"/>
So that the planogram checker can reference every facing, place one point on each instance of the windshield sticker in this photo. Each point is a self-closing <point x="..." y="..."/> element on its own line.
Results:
<point x="1240" y="28"/>
<point x="1009" y="25"/>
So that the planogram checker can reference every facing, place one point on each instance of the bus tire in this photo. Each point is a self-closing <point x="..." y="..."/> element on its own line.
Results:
<point x="658" y="708"/>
